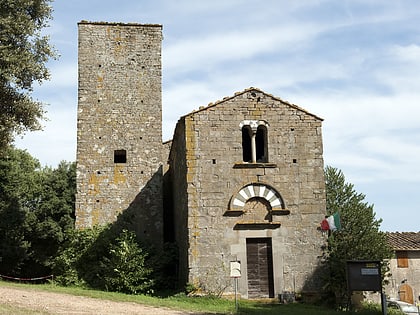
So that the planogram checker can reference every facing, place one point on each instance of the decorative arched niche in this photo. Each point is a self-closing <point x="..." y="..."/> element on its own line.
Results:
<point x="253" y="192"/>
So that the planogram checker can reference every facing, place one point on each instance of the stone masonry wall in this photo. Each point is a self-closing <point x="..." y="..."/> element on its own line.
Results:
<point x="119" y="139"/>
<point x="411" y="275"/>
<point x="178" y="167"/>
<point x="215" y="173"/>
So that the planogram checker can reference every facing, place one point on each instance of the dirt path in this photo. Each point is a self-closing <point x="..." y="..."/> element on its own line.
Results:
<point x="57" y="303"/>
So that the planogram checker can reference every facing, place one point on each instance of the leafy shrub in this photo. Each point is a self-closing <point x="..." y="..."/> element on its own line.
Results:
<point x="127" y="271"/>
<point x="102" y="259"/>
<point x="66" y="263"/>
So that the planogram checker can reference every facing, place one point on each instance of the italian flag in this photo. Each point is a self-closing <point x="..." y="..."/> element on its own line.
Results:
<point x="331" y="223"/>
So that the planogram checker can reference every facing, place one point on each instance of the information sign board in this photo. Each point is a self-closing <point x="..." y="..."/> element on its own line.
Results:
<point x="364" y="275"/>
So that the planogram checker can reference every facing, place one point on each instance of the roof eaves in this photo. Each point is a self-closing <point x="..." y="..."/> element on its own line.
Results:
<point x="404" y="240"/>
<point x="118" y="23"/>
<point x="227" y="98"/>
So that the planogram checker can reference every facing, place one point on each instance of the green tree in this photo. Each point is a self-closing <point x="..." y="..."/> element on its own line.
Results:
<point x="70" y="265"/>
<point x="51" y="216"/>
<point x="24" y="52"/>
<point x="105" y="258"/>
<point x="36" y="211"/>
<point x="126" y="266"/>
<point x="19" y="188"/>
<point x="358" y="239"/>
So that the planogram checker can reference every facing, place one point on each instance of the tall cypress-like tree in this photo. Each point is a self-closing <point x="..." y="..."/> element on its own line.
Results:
<point x="24" y="52"/>
<point x="359" y="238"/>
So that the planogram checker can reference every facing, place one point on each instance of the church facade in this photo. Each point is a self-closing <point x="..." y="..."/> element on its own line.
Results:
<point x="240" y="184"/>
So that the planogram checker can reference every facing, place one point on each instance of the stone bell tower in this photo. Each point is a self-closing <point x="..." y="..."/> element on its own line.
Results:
<point x="119" y="127"/>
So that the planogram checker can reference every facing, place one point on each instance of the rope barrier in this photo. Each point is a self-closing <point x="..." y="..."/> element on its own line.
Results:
<point x="27" y="279"/>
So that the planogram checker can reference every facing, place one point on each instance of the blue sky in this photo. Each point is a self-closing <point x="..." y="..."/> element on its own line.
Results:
<point x="354" y="63"/>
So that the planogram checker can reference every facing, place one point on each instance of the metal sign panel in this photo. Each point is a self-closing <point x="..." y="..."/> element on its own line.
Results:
<point x="363" y="275"/>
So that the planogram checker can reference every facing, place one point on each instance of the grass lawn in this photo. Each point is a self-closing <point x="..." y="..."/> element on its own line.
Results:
<point x="182" y="302"/>
<point x="8" y="309"/>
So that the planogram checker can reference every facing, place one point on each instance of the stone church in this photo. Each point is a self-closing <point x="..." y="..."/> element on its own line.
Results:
<point x="240" y="184"/>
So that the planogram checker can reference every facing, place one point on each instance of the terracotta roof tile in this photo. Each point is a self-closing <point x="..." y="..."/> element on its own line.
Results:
<point x="404" y="240"/>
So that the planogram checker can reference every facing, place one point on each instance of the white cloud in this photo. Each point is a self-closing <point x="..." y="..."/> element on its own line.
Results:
<point x="57" y="140"/>
<point x="402" y="68"/>
<point x="181" y="99"/>
<point x="232" y="46"/>
<point x="407" y="53"/>
<point x="379" y="158"/>
<point x="371" y="137"/>
<point x="62" y="76"/>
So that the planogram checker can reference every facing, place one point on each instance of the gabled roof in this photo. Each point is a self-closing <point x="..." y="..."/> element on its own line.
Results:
<point x="251" y="89"/>
<point x="404" y="240"/>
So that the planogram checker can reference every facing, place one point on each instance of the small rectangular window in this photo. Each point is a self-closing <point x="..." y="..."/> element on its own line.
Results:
<point x="402" y="259"/>
<point x="120" y="156"/>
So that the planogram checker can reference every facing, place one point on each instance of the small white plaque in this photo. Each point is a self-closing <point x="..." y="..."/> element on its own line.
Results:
<point x="235" y="269"/>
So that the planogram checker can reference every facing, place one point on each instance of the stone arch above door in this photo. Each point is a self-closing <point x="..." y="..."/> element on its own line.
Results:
<point x="257" y="190"/>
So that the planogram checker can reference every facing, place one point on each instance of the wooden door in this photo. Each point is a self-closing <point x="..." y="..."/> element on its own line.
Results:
<point x="406" y="293"/>
<point x="260" y="268"/>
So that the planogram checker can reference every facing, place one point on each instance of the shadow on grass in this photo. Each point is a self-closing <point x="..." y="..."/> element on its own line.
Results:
<point x="255" y="308"/>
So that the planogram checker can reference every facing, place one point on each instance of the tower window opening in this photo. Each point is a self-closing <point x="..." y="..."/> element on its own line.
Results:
<point x="120" y="156"/>
<point x="246" y="144"/>
<point x="261" y="144"/>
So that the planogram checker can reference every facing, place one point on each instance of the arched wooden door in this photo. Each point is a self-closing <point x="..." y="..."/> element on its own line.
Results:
<point x="406" y="293"/>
